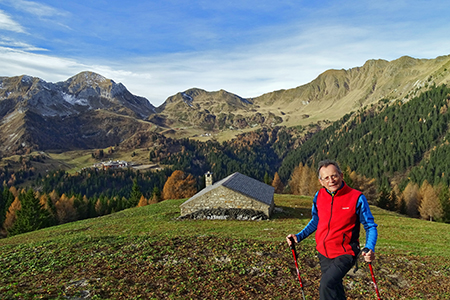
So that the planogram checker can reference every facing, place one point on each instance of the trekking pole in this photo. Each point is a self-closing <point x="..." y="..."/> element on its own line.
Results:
<point x="294" y="253"/>
<point x="365" y="250"/>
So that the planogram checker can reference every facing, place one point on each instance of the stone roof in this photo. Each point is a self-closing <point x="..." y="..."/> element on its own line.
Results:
<point x="244" y="185"/>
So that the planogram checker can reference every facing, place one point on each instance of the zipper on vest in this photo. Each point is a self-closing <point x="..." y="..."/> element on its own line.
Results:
<point x="329" y="223"/>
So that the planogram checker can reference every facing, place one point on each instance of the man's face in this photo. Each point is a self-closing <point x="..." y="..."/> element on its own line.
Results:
<point x="330" y="178"/>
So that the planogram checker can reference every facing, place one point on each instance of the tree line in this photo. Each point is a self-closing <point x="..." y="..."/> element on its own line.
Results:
<point x="27" y="210"/>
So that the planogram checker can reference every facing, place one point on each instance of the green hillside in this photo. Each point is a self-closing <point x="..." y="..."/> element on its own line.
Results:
<point x="146" y="253"/>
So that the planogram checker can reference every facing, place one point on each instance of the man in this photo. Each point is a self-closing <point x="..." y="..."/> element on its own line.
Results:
<point x="337" y="213"/>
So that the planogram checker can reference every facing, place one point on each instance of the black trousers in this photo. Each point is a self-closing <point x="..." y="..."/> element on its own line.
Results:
<point x="333" y="271"/>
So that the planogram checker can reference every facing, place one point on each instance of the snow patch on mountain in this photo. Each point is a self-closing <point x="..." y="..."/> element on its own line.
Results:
<point x="187" y="99"/>
<point x="74" y="100"/>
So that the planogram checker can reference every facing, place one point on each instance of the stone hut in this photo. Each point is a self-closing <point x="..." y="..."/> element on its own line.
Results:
<point x="234" y="191"/>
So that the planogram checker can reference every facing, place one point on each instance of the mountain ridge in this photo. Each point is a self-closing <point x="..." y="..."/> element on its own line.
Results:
<point x="80" y="107"/>
<point x="336" y="92"/>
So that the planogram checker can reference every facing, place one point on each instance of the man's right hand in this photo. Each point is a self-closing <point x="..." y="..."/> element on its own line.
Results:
<point x="290" y="237"/>
<point x="369" y="255"/>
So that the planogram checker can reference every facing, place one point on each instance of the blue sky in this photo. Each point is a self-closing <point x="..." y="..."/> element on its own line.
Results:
<point x="157" y="48"/>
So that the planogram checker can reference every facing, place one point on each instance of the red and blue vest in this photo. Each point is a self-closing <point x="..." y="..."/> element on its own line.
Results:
<point x="338" y="227"/>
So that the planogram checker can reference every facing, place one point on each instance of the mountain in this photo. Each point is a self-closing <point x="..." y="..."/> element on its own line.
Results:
<point x="335" y="93"/>
<point x="331" y="95"/>
<point x="86" y="111"/>
<point x="211" y="111"/>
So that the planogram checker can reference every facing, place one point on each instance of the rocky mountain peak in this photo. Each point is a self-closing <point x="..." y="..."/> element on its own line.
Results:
<point x="43" y="115"/>
<point x="84" y="91"/>
<point x="85" y="80"/>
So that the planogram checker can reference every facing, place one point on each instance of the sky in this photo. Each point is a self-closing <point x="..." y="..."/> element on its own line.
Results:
<point x="157" y="48"/>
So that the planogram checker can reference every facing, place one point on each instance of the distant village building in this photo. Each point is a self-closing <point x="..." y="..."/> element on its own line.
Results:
<point x="111" y="165"/>
<point x="234" y="191"/>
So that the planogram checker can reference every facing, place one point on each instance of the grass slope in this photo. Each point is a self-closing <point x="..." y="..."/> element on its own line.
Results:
<point x="145" y="253"/>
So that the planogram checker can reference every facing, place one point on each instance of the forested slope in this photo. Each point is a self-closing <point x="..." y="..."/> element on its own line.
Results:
<point x="386" y="140"/>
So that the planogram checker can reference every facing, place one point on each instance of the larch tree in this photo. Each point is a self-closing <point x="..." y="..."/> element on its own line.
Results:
<point x="412" y="199"/>
<point x="296" y="178"/>
<point x="14" y="191"/>
<point x="99" y="207"/>
<point x="277" y="184"/>
<point x="142" y="202"/>
<point x="179" y="185"/>
<point x="305" y="181"/>
<point x="430" y="207"/>
<point x="54" y="197"/>
<point x="65" y="210"/>
<point x="11" y="214"/>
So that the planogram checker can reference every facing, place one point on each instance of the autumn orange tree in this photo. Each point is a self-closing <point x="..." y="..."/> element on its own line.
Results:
<point x="430" y="207"/>
<point x="304" y="181"/>
<point x="179" y="185"/>
<point x="65" y="210"/>
<point x="412" y="199"/>
<point x="277" y="184"/>
<point x="143" y="201"/>
<point x="11" y="214"/>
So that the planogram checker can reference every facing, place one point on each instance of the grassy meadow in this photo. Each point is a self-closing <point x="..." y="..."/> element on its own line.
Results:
<point x="146" y="253"/>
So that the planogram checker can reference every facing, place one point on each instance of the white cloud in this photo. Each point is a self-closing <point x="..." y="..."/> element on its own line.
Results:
<point x="35" y="8"/>
<point x="18" y="62"/>
<point x="7" y="23"/>
<point x="9" y="42"/>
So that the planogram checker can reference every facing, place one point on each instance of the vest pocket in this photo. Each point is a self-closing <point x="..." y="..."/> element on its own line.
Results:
<point x="343" y="242"/>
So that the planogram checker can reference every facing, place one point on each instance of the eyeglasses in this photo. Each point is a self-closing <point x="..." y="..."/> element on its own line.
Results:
<point x="331" y="177"/>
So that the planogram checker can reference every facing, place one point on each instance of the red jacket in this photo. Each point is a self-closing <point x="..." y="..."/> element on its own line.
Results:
<point x="338" y="227"/>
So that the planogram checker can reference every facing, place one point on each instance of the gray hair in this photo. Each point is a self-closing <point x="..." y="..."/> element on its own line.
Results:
<point x="325" y="163"/>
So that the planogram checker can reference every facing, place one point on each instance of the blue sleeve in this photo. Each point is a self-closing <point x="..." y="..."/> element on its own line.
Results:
<point x="312" y="225"/>
<point x="366" y="219"/>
